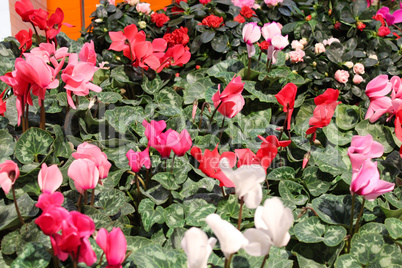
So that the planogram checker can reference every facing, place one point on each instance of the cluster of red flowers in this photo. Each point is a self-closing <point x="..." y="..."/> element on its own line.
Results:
<point x="178" y="8"/>
<point x="360" y="25"/>
<point x="383" y="30"/>
<point x="212" y="21"/>
<point x="245" y="13"/>
<point x="178" y="36"/>
<point x="159" y="19"/>
<point x="147" y="54"/>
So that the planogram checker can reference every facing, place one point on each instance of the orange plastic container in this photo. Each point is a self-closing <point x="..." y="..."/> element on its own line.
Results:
<point x="72" y="13"/>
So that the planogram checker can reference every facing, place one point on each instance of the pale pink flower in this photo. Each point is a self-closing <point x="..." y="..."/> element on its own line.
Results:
<point x="144" y="8"/>
<point x="319" y="48"/>
<point x="296" y="56"/>
<point x="296" y="45"/>
<point x="358" y="68"/>
<point x="342" y="76"/>
<point x="49" y="178"/>
<point x="251" y="34"/>
<point x="84" y="173"/>
<point x="112" y="2"/>
<point x="132" y="2"/>
<point x="243" y="3"/>
<point x="329" y="41"/>
<point x="272" y="3"/>
<point x="348" y="64"/>
<point x="357" y="79"/>
<point x="303" y="41"/>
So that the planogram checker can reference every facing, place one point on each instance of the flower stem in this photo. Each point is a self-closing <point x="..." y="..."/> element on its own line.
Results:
<point x="100" y="261"/>
<point x="56" y="262"/>
<point x="16" y="206"/>
<point x="240" y="213"/>
<point x="249" y="68"/>
<point x="228" y="261"/>
<point x="42" y="115"/>
<point x="213" y="114"/>
<point x="171" y="169"/>
<point x="351" y="221"/>
<point x="92" y="197"/>
<point x="264" y="261"/>
<point x="223" y="192"/>
<point x="202" y="111"/>
<point x="79" y="203"/>
<point x="358" y="217"/>
<point x="221" y="130"/>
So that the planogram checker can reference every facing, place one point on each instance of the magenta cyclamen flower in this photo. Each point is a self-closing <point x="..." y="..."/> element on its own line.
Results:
<point x="366" y="182"/>
<point x="113" y="244"/>
<point x="251" y="34"/>
<point x="138" y="159"/>
<point x="376" y="90"/>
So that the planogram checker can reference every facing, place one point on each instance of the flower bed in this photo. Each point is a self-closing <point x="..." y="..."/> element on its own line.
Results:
<point x="208" y="134"/>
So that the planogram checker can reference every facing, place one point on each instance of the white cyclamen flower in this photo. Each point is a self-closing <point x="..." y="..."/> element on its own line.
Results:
<point x="197" y="247"/>
<point x="247" y="180"/>
<point x="272" y="221"/>
<point x="230" y="239"/>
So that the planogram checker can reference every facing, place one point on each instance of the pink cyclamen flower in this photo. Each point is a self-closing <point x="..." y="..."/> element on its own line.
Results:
<point x="87" y="53"/>
<point x="138" y="159"/>
<point x="47" y="200"/>
<point x="391" y="19"/>
<point x="49" y="178"/>
<point x="84" y="173"/>
<point x="52" y="219"/>
<point x="251" y="34"/>
<point x="357" y="79"/>
<point x="363" y="148"/>
<point x="342" y="76"/>
<point x="243" y="3"/>
<point x="93" y="153"/>
<point x="9" y="173"/>
<point x="230" y="101"/>
<point x="113" y="244"/>
<point x="376" y="90"/>
<point x="180" y="143"/>
<point x="366" y="182"/>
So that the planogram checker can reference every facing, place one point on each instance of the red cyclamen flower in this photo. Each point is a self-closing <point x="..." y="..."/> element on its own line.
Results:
<point x="138" y="159"/>
<point x="286" y="97"/>
<point x="230" y="102"/>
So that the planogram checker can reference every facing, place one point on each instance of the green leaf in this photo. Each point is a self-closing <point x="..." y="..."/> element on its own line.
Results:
<point x="108" y="97"/>
<point x="135" y="243"/>
<point x="152" y="256"/>
<point x="111" y="201"/>
<point x="315" y="184"/>
<point x="9" y="243"/>
<point x="334" y="235"/>
<point x="335" y="52"/>
<point x="292" y="192"/>
<point x="157" y="194"/>
<point x="379" y="132"/>
<point x="169" y="97"/>
<point x="310" y="230"/>
<point x="329" y="160"/>
<point x="196" y="210"/>
<point x="220" y="43"/>
<point x="8" y="214"/>
<point x="207" y="36"/>
<point x="250" y="88"/>
<point x="61" y="146"/>
<point x="282" y="173"/>
<point x="122" y="118"/>
<point x="304" y="262"/>
<point x="153" y="86"/>
<point x="231" y="208"/>
<point x="31" y="144"/>
<point x="366" y="247"/>
<point x="7" y="145"/>
<point x="347" y="116"/>
<point x="149" y="215"/>
<point x="231" y="66"/>
<point x="347" y="261"/>
<point x="175" y="217"/>
<point x="167" y="180"/>
<point x="197" y="90"/>
<point x="394" y="227"/>
<point x="34" y="255"/>
<point x="337" y="137"/>
<point x="335" y="209"/>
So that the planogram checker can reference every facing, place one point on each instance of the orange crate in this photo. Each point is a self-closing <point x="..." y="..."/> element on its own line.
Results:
<point x="72" y="13"/>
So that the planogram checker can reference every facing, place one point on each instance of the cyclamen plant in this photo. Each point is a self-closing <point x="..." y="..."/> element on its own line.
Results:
<point x="142" y="159"/>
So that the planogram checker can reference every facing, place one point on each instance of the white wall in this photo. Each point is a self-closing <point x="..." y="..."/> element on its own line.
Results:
<point x="5" y="25"/>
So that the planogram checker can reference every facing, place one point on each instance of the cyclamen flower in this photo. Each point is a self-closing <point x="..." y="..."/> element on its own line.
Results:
<point x="209" y="164"/>
<point x="197" y="247"/>
<point x="366" y="182"/>
<point x="49" y="178"/>
<point x="391" y="19"/>
<point x="25" y="39"/>
<point x="286" y="97"/>
<point x="251" y="34"/>
<point x="113" y="244"/>
<point x="92" y="152"/>
<point x="9" y="173"/>
<point x="84" y="173"/>
<point x="3" y="104"/>
<point x="272" y="222"/>
<point x="138" y="159"/>
<point x="230" y="102"/>
<point x="376" y="90"/>
<point x="269" y="149"/>
<point x="247" y="180"/>
<point x="230" y="239"/>
<point x="180" y="143"/>
<point x="363" y="148"/>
